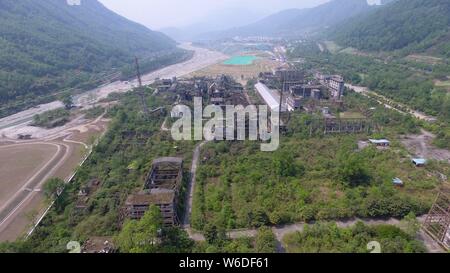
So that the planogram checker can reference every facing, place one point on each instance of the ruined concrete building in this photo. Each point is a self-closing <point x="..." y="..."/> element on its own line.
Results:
<point x="289" y="77"/>
<point x="335" y="83"/>
<point x="161" y="189"/>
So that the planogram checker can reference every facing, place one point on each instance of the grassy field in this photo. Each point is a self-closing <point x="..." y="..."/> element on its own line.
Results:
<point x="444" y="84"/>
<point x="349" y="115"/>
<point x="332" y="46"/>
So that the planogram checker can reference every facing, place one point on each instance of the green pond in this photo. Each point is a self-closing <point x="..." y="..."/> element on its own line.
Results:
<point x="240" y="60"/>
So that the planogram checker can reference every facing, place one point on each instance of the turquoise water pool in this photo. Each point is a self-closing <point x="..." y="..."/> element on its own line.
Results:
<point x="240" y="60"/>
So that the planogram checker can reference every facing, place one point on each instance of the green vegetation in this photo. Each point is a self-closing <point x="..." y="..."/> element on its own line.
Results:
<point x="131" y="138"/>
<point x="52" y="187"/>
<point x="413" y="25"/>
<point x="310" y="178"/>
<point x="52" y="119"/>
<point x="150" y="236"/>
<point x="328" y="238"/>
<point x="218" y="242"/>
<point x="395" y="78"/>
<point x="67" y="99"/>
<point x="94" y="112"/>
<point x="265" y="241"/>
<point x="62" y="47"/>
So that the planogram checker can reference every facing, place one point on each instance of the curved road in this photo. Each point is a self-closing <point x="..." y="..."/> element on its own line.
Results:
<point x="31" y="187"/>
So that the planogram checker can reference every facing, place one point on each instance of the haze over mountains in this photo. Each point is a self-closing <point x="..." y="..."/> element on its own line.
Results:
<point x="413" y="24"/>
<point x="292" y="22"/>
<point x="216" y="21"/>
<point x="47" y="45"/>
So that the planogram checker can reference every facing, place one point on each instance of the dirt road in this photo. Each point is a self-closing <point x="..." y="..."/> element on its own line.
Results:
<point x="386" y="102"/>
<point x="421" y="146"/>
<point x="281" y="231"/>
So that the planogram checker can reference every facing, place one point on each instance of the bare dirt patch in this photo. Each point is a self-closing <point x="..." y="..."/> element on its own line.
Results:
<point x="20" y="162"/>
<point x="240" y="72"/>
<point x="421" y="146"/>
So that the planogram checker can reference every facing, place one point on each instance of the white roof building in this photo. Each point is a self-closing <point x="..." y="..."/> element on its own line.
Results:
<point x="270" y="97"/>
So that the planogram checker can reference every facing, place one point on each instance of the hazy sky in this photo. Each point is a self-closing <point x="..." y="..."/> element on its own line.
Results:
<point x="157" y="14"/>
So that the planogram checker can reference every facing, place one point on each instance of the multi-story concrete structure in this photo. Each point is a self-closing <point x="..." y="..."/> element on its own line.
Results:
<point x="138" y="204"/>
<point x="335" y="83"/>
<point x="289" y="77"/>
<point x="306" y="91"/>
<point x="161" y="189"/>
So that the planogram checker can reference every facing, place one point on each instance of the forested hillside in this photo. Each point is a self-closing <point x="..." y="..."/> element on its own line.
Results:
<point x="416" y="24"/>
<point x="298" y="21"/>
<point x="47" y="45"/>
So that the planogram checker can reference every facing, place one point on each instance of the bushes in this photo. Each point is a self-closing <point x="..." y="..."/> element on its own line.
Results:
<point x="52" y="119"/>
<point x="323" y="178"/>
<point x="325" y="238"/>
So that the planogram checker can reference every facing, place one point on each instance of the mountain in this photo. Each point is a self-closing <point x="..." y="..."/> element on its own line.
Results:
<point x="47" y="45"/>
<point x="413" y="24"/>
<point x="215" y="21"/>
<point x="298" y="21"/>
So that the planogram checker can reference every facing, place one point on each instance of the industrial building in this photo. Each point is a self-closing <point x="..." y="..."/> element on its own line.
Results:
<point x="270" y="97"/>
<point x="161" y="189"/>
<point x="289" y="77"/>
<point x="335" y="83"/>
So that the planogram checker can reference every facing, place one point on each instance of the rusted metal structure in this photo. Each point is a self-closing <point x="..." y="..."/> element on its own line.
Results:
<point x="340" y="126"/>
<point x="437" y="223"/>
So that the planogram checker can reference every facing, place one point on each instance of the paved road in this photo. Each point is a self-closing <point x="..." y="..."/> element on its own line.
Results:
<point x="191" y="186"/>
<point x="387" y="102"/>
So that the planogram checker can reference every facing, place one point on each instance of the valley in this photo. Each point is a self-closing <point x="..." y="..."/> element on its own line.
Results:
<point x="317" y="128"/>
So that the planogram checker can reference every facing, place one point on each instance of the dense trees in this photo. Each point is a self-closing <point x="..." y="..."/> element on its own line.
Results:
<point x="141" y="236"/>
<point x="148" y="235"/>
<point x="265" y="241"/>
<point x="415" y="24"/>
<point x="51" y="119"/>
<point x="244" y="187"/>
<point x="52" y="188"/>
<point x="328" y="238"/>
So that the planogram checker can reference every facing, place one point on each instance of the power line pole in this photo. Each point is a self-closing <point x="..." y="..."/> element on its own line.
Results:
<point x="140" y="88"/>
